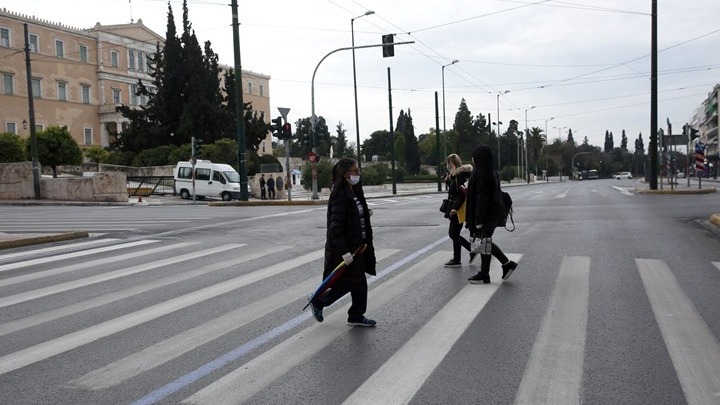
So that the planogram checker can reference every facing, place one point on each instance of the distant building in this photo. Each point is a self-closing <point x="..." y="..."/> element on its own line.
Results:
<point x="708" y="125"/>
<point x="79" y="77"/>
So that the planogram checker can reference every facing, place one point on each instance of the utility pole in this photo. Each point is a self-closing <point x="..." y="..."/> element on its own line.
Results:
<point x="31" y="111"/>
<point x="653" y="100"/>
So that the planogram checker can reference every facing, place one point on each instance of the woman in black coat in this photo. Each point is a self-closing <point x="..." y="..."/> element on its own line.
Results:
<point x="457" y="176"/>
<point x="484" y="212"/>
<point x="348" y="227"/>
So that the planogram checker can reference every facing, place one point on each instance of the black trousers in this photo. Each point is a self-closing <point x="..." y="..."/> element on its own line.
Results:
<point x="458" y="240"/>
<point x="271" y="193"/>
<point x="358" y="290"/>
<point x="262" y="192"/>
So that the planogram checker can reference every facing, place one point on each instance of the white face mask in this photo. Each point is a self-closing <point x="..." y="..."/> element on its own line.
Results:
<point x="354" y="179"/>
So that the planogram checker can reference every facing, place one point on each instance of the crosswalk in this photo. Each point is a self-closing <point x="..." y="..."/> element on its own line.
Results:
<point x="553" y="373"/>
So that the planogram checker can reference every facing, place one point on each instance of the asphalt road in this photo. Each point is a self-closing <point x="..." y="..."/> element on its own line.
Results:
<point x="615" y="301"/>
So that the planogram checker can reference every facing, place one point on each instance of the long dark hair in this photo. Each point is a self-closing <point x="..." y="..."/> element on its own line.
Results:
<point x="338" y="175"/>
<point x="482" y="162"/>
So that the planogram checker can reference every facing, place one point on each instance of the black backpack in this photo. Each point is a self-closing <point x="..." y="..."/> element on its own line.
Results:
<point x="507" y="205"/>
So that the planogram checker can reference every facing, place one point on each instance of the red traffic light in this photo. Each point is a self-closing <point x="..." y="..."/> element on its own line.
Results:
<point x="286" y="127"/>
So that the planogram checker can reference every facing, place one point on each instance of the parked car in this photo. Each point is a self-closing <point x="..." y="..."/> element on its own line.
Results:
<point x="623" y="175"/>
<point x="681" y="175"/>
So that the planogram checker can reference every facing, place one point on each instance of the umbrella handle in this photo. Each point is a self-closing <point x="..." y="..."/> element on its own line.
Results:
<point x="360" y="249"/>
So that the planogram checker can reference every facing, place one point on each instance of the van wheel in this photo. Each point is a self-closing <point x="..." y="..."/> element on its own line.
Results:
<point x="226" y="196"/>
<point x="184" y="194"/>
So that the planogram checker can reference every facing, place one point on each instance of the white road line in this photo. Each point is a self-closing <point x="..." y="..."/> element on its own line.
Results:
<point x="554" y="371"/>
<point x="293" y="351"/>
<point x="23" y="323"/>
<point x="563" y="194"/>
<point x="79" y="338"/>
<point x="389" y="200"/>
<point x="13" y="266"/>
<point x="410" y="366"/>
<point x="716" y="264"/>
<point x="84" y="282"/>
<point x="87" y="265"/>
<point x="693" y="349"/>
<point x="162" y="352"/>
<point x="54" y="249"/>
<point x="623" y="191"/>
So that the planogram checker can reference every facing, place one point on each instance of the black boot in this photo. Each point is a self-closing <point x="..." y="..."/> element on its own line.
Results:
<point x="483" y="276"/>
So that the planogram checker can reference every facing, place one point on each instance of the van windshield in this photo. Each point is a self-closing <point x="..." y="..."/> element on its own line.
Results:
<point x="232" y="176"/>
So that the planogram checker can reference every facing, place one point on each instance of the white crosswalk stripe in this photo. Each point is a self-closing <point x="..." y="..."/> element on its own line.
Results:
<point x="553" y="373"/>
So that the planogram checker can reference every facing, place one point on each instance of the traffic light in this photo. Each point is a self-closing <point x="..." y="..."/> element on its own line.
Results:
<point x="196" y="145"/>
<point x="276" y="127"/>
<point x="287" y="131"/>
<point x="388" y="47"/>
<point x="693" y="133"/>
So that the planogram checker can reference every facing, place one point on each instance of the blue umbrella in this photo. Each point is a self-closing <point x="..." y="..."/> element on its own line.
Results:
<point x="333" y="277"/>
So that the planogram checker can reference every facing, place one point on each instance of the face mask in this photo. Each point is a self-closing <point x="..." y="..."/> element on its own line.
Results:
<point x="354" y="179"/>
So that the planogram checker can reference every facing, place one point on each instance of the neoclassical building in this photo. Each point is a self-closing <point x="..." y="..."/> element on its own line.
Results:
<point x="79" y="76"/>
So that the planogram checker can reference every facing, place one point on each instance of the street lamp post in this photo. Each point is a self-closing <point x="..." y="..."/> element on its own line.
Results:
<point x="357" y="117"/>
<point x="527" y="141"/>
<point x="547" y="140"/>
<point x="499" y="123"/>
<point x="572" y="168"/>
<point x="443" y="94"/>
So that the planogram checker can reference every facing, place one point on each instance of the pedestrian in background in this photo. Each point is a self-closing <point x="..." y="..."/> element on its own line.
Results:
<point x="262" y="186"/>
<point x="455" y="181"/>
<point x="348" y="227"/>
<point x="484" y="212"/>
<point x="271" y="187"/>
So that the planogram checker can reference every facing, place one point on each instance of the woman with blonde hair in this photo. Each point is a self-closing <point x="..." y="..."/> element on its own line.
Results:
<point x="458" y="174"/>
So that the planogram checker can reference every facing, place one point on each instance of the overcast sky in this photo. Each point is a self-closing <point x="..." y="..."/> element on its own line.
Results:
<point x="582" y="64"/>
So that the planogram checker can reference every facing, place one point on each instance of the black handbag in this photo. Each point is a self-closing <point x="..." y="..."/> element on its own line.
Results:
<point x="446" y="207"/>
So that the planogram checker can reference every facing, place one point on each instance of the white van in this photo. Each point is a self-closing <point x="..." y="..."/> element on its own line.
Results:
<point x="211" y="180"/>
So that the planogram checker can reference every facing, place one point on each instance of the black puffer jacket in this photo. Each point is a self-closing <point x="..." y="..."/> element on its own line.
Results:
<point x="344" y="233"/>
<point x="484" y="206"/>
<point x="455" y="183"/>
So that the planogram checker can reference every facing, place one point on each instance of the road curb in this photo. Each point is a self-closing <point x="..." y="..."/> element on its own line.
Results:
<point x="9" y="244"/>
<point x="678" y="192"/>
<point x="264" y="203"/>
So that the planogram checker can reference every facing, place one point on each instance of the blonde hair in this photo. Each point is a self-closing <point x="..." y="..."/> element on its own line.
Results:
<point x="455" y="161"/>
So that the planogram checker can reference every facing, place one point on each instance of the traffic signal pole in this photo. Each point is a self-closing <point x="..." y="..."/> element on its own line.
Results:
<point x="239" y="107"/>
<point x="313" y="118"/>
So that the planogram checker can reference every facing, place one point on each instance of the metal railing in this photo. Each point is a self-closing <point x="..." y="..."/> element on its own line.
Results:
<point x="150" y="185"/>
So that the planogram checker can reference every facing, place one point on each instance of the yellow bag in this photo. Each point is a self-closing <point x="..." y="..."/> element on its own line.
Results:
<point x="461" y="212"/>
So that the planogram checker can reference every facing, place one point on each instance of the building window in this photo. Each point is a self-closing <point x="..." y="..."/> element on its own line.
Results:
<point x="88" y="136"/>
<point x="5" y="37"/>
<point x="131" y="58"/>
<point x="59" y="48"/>
<point x="11" y="128"/>
<point x="133" y="94"/>
<point x="83" y="53"/>
<point x="249" y="89"/>
<point x="116" y="96"/>
<point x="62" y="91"/>
<point x="114" y="59"/>
<point x="34" y="43"/>
<point x="8" y="84"/>
<point x="141" y="62"/>
<point x="85" y="91"/>
<point x="262" y="90"/>
<point x="36" y="88"/>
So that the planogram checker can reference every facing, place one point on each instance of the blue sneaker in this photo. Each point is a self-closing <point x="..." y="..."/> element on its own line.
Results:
<point x="363" y="322"/>
<point x="316" y="310"/>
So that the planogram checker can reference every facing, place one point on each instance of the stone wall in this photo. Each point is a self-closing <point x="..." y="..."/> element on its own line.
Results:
<point x="16" y="183"/>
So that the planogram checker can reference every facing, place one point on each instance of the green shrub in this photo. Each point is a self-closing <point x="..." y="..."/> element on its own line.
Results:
<point x="12" y="148"/>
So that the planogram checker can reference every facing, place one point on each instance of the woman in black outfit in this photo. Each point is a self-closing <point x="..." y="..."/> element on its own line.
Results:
<point x="485" y="211"/>
<point x="457" y="176"/>
<point x="348" y="227"/>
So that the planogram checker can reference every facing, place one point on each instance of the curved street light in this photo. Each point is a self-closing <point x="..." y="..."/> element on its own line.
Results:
<point x="357" y="117"/>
